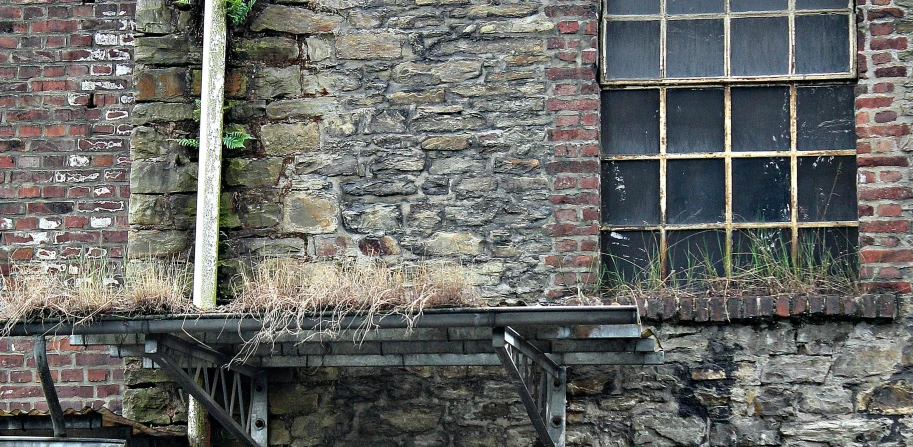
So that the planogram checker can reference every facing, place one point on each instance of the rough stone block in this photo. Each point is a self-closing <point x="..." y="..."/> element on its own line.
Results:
<point x="270" y="50"/>
<point x="165" y="84"/>
<point x="276" y="82"/>
<point x="287" y="139"/>
<point x="149" y="243"/>
<point x="162" y="113"/>
<point x="253" y="173"/>
<point x="154" y="17"/>
<point x="450" y="244"/>
<point x="412" y="73"/>
<point x="310" y="213"/>
<point x="160" y="177"/>
<point x="295" y="20"/>
<point x="168" y="50"/>
<point x="375" y="218"/>
<point x="368" y="46"/>
<point x="306" y="107"/>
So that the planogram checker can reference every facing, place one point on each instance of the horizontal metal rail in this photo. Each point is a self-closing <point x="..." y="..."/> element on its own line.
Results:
<point x="443" y="318"/>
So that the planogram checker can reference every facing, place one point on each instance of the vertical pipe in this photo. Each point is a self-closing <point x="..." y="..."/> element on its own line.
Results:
<point x="210" y="173"/>
<point x="47" y="385"/>
<point x="209" y="182"/>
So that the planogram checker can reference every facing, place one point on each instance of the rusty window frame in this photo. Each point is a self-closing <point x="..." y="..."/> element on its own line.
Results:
<point x="793" y="81"/>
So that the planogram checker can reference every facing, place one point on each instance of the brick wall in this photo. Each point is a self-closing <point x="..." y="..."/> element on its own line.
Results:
<point x="883" y="127"/>
<point x="82" y="376"/>
<point x="65" y="78"/>
<point x="66" y="96"/>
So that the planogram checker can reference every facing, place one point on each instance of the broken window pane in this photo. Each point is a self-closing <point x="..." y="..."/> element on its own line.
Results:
<point x="630" y="192"/>
<point x="630" y="255"/>
<point x="822" y="43"/>
<point x="632" y="50"/>
<point x="760" y="190"/>
<point x="825" y="118"/>
<point x="760" y="46"/>
<point x="822" y="4"/>
<point x="630" y="121"/>
<point x="695" y="255"/>
<point x="758" y="5"/>
<point x="694" y="6"/>
<point x="695" y="191"/>
<point x="619" y="7"/>
<point x="827" y="189"/>
<point x="760" y="119"/>
<point x="694" y="120"/>
<point x="694" y="48"/>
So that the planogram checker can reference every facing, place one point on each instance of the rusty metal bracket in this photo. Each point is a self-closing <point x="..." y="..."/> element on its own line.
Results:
<point x="541" y="382"/>
<point x="234" y="394"/>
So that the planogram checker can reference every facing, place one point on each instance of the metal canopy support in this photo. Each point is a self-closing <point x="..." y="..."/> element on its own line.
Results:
<point x="541" y="382"/>
<point x="202" y="373"/>
<point x="40" y="350"/>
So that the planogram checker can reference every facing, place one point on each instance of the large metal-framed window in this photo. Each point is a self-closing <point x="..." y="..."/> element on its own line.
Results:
<point x="723" y="120"/>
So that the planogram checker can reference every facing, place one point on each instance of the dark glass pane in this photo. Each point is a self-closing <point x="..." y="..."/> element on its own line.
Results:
<point x="761" y="251"/>
<point x="694" y="48"/>
<point x="694" y="6"/>
<point x="825" y="118"/>
<point x="632" y="50"/>
<point x="630" y="121"/>
<point x="827" y="188"/>
<point x="758" y="5"/>
<point x="760" y="119"/>
<point x="822" y="4"/>
<point x="695" y="255"/>
<point x="695" y="191"/>
<point x="760" y="190"/>
<point x="760" y="46"/>
<point x="630" y="255"/>
<point x="630" y="192"/>
<point x="633" y="7"/>
<point x="822" y="44"/>
<point x="694" y="120"/>
<point x="834" y="249"/>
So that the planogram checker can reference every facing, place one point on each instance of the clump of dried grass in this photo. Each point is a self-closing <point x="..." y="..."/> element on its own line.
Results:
<point x="89" y="288"/>
<point x="285" y="293"/>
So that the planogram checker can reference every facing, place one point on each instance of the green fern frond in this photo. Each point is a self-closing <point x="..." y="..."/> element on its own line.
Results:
<point x="236" y="139"/>
<point x="186" y="142"/>
<point x="237" y="10"/>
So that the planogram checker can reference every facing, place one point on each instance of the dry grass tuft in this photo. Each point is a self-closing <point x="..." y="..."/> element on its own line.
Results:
<point x="284" y="292"/>
<point x="88" y="288"/>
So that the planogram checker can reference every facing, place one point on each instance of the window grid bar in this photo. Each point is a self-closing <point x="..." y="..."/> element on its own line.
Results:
<point x="791" y="13"/>
<point x="727" y="44"/>
<point x="793" y="173"/>
<point x="663" y="170"/>
<point x="727" y="132"/>
<point x="753" y="154"/>
<point x="735" y="226"/>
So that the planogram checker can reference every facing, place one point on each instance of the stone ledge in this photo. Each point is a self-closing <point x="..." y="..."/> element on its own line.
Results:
<point x="732" y="309"/>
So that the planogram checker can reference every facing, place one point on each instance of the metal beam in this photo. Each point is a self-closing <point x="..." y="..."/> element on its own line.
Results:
<point x="40" y="350"/>
<point x="173" y="355"/>
<point x="541" y="382"/>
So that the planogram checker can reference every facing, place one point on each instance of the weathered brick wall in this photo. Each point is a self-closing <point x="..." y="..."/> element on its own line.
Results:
<point x="84" y="377"/>
<point x="65" y="69"/>
<point x="66" y="92"/>
<point x="883" y="119"/>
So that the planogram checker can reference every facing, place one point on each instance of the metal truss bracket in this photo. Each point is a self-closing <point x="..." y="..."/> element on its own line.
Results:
<point x="234" y="394"/>
<point x="542" y="384"/>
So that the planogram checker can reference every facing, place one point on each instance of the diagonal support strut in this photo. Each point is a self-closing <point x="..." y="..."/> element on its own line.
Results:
<point x="245" y="420"/>
<point x="541" y="382"/>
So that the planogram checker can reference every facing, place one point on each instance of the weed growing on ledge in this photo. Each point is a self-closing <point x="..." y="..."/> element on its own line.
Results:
<point x="761" y="265"/>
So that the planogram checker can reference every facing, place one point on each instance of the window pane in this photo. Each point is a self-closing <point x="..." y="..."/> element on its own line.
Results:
<point x="695" y="255"/>
<point x="694" y="120"/>
<point x="827" y="189"/>
<point x="760" y="46"/>
<point x="760" y="190"/>
<point x="632" y="7"/>
<point x="761" y="250"/>
<point x="758" y="5"/>
<point x="836" y="249"/>
<point x="822" y="4"/>
<point x="822" y="44"/>
<point x="694" y="6"/>
<point x="760" y="119"/>
<point x="630" y="255"/>
<point x="694" y="48"/>
<point x="632" y="50"/>
<point x="695" y="191"/>
<point x="630" y="192"/>
<point x="825" y="118"/>
<point x="630" y="121"/>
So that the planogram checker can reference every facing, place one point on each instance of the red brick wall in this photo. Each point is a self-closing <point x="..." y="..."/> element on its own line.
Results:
<point x="883" y="130"/>
<point x="66" y="94"/>
<point x="65" y="97"/>
<point x="82" y="376"/>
